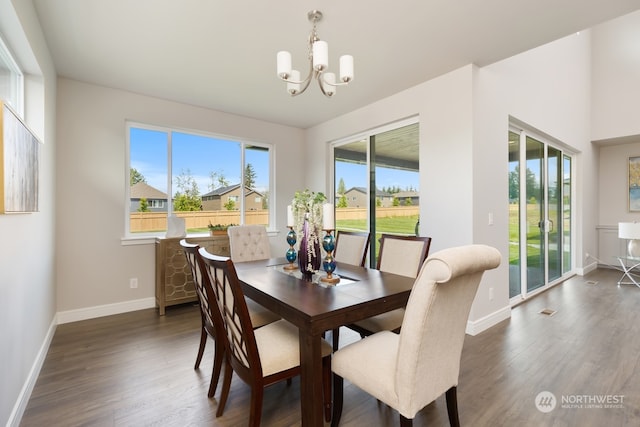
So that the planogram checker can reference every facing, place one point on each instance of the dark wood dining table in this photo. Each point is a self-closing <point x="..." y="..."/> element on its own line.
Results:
<point x="315" y="307"/>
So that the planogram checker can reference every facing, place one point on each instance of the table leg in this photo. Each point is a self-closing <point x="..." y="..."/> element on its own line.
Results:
<point x="311" y="390"/>
<point x="627" y="272"/>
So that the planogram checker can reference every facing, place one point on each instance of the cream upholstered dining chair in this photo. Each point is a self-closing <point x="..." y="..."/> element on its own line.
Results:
<point x="260" y="357"/>
<point x="249" y="243"/>
<point x="353" y="250"/>
<point x="212" y="325"/>
<point x="409" y="370"/>
<point x="353" y="247"/>
<point x="403" y="255"/>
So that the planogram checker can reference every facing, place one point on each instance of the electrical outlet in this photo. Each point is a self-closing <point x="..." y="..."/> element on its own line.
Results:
<point x="490" y="218"/>
<point x="133" y="282"/>
<point x="490" y="294"/>
<point x="586" y="256"/>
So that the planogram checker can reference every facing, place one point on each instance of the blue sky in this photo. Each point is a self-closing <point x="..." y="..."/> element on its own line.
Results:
<point x="202" y="155"/>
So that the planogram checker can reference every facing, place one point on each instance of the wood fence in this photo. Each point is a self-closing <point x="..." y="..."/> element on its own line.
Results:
<point x="155" y="221"/>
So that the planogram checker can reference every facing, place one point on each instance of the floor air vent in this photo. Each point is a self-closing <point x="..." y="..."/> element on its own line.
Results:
<point x="547" y="312"/>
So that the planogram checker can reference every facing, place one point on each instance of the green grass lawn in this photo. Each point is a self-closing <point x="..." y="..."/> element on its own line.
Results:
<point x="391" y="225"/>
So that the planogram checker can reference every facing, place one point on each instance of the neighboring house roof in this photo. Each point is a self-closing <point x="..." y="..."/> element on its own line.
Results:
<point x="223" y="190"/>
<point x="142" y="190"/>
<point x="363" y="190"/>
<point x="405" y="194"/>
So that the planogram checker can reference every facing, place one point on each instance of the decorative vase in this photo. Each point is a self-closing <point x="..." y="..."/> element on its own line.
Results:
<point x="309" y="252"/>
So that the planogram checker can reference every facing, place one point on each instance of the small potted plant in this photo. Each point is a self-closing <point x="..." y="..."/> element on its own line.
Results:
<point x="218" y="229"/>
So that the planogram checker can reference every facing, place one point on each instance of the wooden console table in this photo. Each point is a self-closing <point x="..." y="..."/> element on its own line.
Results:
<point x="174" y="282"/>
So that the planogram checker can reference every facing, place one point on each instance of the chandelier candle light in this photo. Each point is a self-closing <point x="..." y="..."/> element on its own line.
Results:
<point x="318" y="55"/>
<point x="329" y="244"/>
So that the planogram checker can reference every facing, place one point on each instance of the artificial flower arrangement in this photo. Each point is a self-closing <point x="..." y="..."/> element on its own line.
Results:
<point x="307" y="207"/>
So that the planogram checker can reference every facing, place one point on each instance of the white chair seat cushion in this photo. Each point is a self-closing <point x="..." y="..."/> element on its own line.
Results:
<point x="388" y="321"/>
<point x="279" y="347"/>
<point x="260" y="316"/>
<point x="370" y="364"/>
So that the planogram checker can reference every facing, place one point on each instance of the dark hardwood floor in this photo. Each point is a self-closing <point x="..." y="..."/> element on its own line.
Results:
<point x="136" y="369"/>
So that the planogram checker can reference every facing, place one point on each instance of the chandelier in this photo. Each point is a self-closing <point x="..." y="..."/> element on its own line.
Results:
<point x="318" y="64"/>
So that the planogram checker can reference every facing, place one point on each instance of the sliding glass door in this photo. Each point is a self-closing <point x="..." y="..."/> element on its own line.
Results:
<point x="539" y="213"/>
<point x="376" y="179"/>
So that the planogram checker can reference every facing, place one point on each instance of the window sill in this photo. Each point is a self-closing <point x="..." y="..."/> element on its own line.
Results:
<point x="150" y="239"/>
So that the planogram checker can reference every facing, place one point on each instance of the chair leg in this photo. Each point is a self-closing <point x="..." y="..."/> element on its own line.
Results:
<point x="405" y="422"/>
<point x="226" y="385"/>
<point x="326" y="384"/>
<point x="203" y="343"/>
<point x="452" y="406"/>
<point x="335" y="335"/>
<point x="338" y="382"/>
<point x="217" y="367"/>
<point x="257" y="394"/>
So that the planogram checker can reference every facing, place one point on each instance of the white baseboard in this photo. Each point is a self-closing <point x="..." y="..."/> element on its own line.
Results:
<point x="25" y="394"/>
<point x="105" y="310"/>
<point x="587" y="269"/>
<point x="477" y="326"/>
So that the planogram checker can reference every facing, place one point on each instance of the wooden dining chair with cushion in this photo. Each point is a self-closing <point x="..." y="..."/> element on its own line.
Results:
<point x="403" y="255"/>
<point x="210" y="315"/>
<point x="260" y="357"/>
<point x="212" y="325"/>
<point x="422" y="362"/>
<point x="351" y="247"/>
<point x="249" y="243"/>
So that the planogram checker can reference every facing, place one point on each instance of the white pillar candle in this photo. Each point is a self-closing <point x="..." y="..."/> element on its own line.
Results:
<point x="346" y="68"/>
<point x="283" y="61"/>
<point x="320" y="50"/>
<point x="294" y="88"/>
<point x="328" y="221"/>
<point x="290" y="220"/>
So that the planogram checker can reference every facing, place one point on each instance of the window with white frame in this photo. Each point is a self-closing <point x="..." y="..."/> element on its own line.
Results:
<point x="203" y="178"/>
<point x="11" y="80"/>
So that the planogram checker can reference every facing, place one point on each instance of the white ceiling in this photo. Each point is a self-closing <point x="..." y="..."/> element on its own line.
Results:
<point x="220" y="54"/>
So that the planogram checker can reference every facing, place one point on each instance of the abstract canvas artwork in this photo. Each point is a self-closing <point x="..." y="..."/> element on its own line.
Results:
<point x="634" y="184"/>
<point x="19" y="164"/>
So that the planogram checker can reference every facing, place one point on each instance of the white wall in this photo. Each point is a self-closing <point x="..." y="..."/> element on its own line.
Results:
<point x="616" y="82"/>
<point x="616" y="124"/>
<point x="547" y="88"/>
<point x="93" y="266"/>
<point x="464" y="117"/>
<point x="614" y="184"/>
<point x="27" y="256"/>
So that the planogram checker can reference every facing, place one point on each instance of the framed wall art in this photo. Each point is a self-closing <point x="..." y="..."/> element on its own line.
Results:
<point x="19" y="164"/>
<point x="634" y="184"/>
